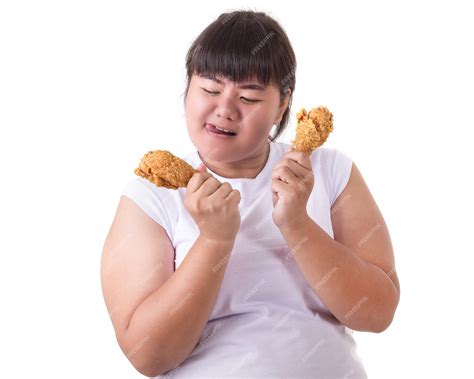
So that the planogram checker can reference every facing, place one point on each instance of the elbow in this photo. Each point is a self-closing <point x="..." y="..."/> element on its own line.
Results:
<point x="383" y="319"/>
<point x="148" y="360"/>
<point x="377" y="317"/>
<point x="154" y="368"/>
<point x="149" y="369"/>
<point x="381" y="325"/>
<point x="371" y="325"/>
<point x="150" y="372"/>
<point x="384" y="311"/>
<point x="149" y="366"/>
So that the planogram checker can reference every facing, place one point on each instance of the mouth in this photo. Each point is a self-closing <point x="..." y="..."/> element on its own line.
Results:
<point x="217" y="131"/>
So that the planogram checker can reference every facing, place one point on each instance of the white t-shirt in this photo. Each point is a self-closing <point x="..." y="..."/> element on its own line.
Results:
<point x="267" y="322"/>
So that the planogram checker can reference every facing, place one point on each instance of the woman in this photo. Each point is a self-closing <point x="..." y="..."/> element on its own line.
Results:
<point x="267" y="260"/>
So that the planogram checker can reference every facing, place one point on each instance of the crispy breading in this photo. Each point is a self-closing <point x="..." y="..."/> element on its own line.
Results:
<point x="164" y="169"/>
<point x="313" y="129"/>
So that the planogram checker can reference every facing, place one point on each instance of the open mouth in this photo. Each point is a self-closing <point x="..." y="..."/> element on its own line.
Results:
<point x="219" y="131"/>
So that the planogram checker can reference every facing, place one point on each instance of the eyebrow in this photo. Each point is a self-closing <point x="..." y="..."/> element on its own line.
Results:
<point x="253" y="86"/>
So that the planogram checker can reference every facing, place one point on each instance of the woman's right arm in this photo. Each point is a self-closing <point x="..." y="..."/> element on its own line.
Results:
<point x="158" y="315"/>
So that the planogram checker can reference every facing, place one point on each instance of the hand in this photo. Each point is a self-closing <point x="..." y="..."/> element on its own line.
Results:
<point x="213" y="206"/>
<point x="292" y="183"/>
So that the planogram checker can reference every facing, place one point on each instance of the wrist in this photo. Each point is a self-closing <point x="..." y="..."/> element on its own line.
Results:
<point x="296" y="225"/>
<point x="217" y="241"/>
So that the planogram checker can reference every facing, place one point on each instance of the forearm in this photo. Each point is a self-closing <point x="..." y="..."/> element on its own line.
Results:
<point x="359" y="294"/>
<point x="166" y="327"/>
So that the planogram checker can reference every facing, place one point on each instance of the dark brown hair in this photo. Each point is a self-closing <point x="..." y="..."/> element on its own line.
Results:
<point x="245" y="45"/>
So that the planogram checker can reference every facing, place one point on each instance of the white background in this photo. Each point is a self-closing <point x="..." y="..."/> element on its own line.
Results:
<point x="87" y="87"/>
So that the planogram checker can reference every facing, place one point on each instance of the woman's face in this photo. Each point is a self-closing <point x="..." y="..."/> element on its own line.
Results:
<point x="248" y="109"/>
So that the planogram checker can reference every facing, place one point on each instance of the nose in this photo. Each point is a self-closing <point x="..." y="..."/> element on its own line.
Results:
<point x="226" y="109"/>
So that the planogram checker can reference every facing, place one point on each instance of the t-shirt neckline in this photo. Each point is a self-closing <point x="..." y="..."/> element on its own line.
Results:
<point x="248" y="187"/>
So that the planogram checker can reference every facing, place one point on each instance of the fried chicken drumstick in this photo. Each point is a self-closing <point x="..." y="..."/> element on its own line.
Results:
<point x="313" y="129"/>
<point x="164" y="169"/>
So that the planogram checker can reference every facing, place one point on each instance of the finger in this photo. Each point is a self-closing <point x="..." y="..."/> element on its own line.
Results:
<point x="222" y="192"/>
<point x="202" y="168"/>
<point x="274" y="197"/>
<point x="279" y="186"/>
<point x="196" y="181"/>
<point x="295" y="167"/>
<point x="302" y="173"/>
<point x="234" y="197"/>
<point x="284" y="174"/>
<point x="209" y="186"/>
<point x="300" y="157"/>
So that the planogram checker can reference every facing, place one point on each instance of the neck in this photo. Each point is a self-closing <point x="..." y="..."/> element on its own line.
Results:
<point x="246" y="168"/>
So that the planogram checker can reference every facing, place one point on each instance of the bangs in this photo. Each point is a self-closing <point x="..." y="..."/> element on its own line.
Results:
<point x="239" y="50"/>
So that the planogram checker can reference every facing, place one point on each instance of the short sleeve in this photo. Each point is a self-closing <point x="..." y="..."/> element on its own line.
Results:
<point x="340" y="173"/>
<point x="153" y="201"/>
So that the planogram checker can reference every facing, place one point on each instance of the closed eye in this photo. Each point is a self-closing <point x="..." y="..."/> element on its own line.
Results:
<point x="210" y="92"/>
<point x="250" y="101"/>
<point x="244" y="99"/>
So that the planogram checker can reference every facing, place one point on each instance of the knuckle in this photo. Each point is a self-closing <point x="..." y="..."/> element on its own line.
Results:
<point x="237" y="193"/>
<point x="211" y="180"/>
<point x="199" y="203"/>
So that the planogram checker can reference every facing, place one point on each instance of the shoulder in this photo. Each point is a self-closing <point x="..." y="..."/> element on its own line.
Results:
<point x="331" y="159"/>
<point x="335" y="168"/>
<point x="143" y="189"/>
<point x="157" y="202"/>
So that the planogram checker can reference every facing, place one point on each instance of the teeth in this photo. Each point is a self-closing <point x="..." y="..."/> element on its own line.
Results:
<point x="225" y="130"/>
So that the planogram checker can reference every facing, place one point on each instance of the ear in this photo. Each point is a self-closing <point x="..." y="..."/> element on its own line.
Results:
<point x="283" y="106"/>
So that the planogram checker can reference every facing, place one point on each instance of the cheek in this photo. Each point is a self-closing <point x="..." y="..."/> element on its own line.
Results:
<point x="197" y="108"/>
<point x="257" y="121"/>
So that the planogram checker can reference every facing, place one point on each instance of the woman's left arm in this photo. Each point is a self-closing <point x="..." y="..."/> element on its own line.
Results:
<point x="353" y="274"/>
